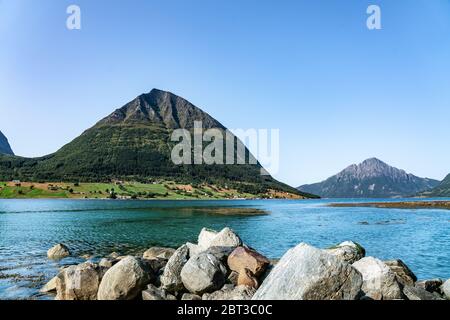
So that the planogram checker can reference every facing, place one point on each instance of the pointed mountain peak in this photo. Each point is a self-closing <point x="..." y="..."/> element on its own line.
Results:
<point x="370" y="178"/>
<point x="5" y="148"/>
<point x="161" y="108"/>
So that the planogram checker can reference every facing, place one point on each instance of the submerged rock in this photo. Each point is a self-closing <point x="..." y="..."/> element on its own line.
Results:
<point x="171" y="277"/>
<point x="80" y="282"/>
<point x="404" y="275"/>
<point x="379" y="282"/>
<point x="124" y="281"/>
<point x="348" y="251"/>
<point x="59" y="251"/>
<point x="203" y="273"/>
<point x="308" y="273"/>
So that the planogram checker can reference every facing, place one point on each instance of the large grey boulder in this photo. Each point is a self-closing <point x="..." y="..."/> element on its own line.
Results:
<point x="348" y="251"/>
<point x="404" y="275"/>
<point x="58" y="251"/>
<point x="158" y="253"/>
<point x="308" y="273"/>
<point x="124" y="281"/>
<point x="379" y="282"/>
<point x="171" y="277"/>
<point x="80" y="282"/>
<point x="154" y="293"/>
<point x="229" y="292"/>
<point x="446" y="289"/>
<point x="203" y="273"/>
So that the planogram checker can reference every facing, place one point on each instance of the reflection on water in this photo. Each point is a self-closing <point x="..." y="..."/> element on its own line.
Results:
<point x="97" y="227"/>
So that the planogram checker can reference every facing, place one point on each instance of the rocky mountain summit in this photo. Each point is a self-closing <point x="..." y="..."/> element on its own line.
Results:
<point x="134" y="143"/>
<point x="221" y="267"/>
<point x="370" y="179"/>
<point x="5" y="148"/>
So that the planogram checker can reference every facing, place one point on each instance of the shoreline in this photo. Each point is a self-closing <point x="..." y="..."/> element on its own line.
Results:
<point x="221" y="267"/>
<point x="434" y="204"/>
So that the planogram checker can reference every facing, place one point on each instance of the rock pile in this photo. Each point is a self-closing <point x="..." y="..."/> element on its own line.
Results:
<point x="220" y="267"/>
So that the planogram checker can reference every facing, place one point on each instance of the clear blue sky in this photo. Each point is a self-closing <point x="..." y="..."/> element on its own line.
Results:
<point x="338" y="92"/>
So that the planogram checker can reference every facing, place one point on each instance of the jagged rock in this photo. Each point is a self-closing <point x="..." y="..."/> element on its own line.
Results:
<point x="59" y="251"/>
<point x="49" y="286"/>
<point x="190" y="296"/>
<point x="348" y="251"/>
<point x="124" y="281"/>
<point x="404" y="275"/>
<point x="308" y="273"/>
<point x="194" y="249"/>
<point x="226" y="238"/>
<point x="433" y="285"/>
<point x="379" y="282"/>
<point x="154" y="293"/>
<point x="230" y="292"/>
<point x="244" y="258"/>
<point x="416" y="293"/>
<point x="158" y="253"/>
<point x="205" y="238"/>
<point x="203" y="273"/>
<point x="446" y="289"/>
<point x="80" y="282"/>
<point x="171" y="277"/>
<point x="247" y="278"/>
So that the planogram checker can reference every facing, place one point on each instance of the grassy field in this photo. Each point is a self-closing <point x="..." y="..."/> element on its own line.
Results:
<point x="123" y="190"/>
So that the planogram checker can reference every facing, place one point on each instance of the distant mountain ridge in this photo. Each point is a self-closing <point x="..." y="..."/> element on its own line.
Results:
<point x="442" y="190"/>
<point x="5" y="148"/>
<point x="370" y="179"/>
<point x="133" y="144"/>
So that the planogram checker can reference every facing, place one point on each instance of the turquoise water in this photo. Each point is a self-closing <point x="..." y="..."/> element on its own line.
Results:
<point x="97" y="227"/>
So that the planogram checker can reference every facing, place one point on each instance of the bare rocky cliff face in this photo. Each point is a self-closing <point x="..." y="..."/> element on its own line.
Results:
<point x="371" y="179"/>
<point x="5" y="148"/>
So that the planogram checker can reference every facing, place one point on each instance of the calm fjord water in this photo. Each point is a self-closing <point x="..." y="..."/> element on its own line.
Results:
<point x="29" y="227"/>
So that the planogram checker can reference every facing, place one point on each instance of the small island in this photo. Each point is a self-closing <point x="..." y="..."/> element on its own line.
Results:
<point x="398" y="205"/>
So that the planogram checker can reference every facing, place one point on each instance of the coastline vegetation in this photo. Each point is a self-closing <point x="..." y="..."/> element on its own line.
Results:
<point x="168" y="190"/>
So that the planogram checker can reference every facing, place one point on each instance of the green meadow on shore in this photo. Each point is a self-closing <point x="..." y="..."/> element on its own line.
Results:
<point x="126" y="190"/>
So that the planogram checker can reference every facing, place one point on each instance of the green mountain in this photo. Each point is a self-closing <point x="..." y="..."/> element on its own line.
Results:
<point x="133" y="144"/>
<point x="5" y="148"/>
<point x="442" y="190"/>
<point x="370" y="179"/>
